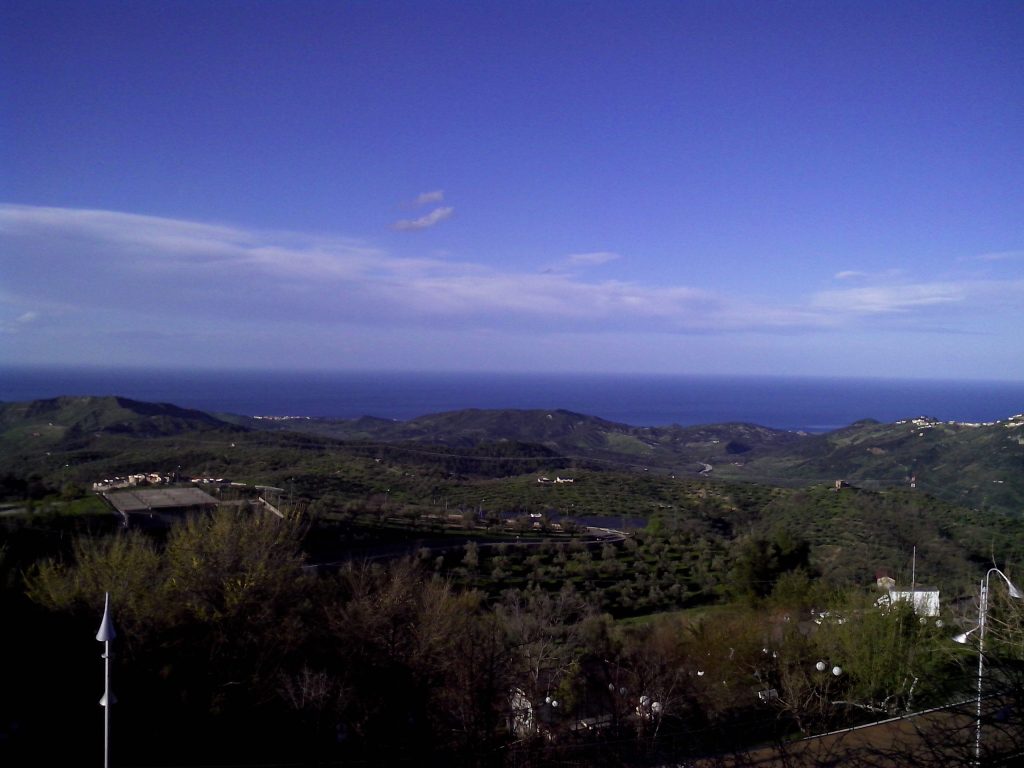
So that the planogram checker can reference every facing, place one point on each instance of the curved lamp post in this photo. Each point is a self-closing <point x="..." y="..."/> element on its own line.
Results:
<point x="105" y="635"/>
<point x="962" y="638"/>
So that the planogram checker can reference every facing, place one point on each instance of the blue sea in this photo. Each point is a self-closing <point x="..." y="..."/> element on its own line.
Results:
<point x="812" y="404"/>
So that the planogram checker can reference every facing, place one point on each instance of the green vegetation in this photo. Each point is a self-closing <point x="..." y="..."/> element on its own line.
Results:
<point x="484" y="589"/>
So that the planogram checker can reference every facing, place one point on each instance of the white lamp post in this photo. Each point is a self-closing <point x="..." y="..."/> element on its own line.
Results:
<point x="962" y="638"/>
<point x="105" y="635"/>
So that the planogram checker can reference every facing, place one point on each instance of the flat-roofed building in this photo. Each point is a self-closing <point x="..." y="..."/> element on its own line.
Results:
<point x="159" y="506"/>
<point x="924" y="600"/>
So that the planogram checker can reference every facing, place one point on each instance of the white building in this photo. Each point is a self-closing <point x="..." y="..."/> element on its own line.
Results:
<point x="924" y="600"/>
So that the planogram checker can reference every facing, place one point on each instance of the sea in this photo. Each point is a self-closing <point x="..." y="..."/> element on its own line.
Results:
<point x="813" y="404"/>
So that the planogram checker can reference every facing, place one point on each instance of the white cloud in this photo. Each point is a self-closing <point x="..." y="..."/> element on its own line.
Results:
<point x="886" y="299"/>
<point x="19" y="322"/>
<point x="185" y="269"/>
<point x="424" y="222"/>
<point x="152" y="244"/>
<point x="591" y="259"/>
<point x="887" y="275"/>
<point x="152" y="273"/>
<point x="425" y="198"/>
<point x="908" y="298"/>
<point x="577" y="261"/>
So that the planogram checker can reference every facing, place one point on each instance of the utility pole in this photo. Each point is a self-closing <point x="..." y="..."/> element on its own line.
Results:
<point x="913" y="578"/>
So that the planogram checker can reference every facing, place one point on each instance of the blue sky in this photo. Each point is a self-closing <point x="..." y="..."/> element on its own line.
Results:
<point x="825" y="188"/>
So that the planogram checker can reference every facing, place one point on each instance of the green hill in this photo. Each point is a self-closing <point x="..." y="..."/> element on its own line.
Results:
<point x="719" y="483"/>
<point x="76" y="440"/>
<point x="981" y="466"/>
<point x="60" y="418"/>
<point x="977" y="466"/>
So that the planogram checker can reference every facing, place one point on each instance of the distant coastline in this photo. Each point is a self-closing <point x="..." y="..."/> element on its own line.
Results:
<point x="804" y="403"/>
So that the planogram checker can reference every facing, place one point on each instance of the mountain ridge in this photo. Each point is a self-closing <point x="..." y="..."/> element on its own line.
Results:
<point x="979" y="465"/>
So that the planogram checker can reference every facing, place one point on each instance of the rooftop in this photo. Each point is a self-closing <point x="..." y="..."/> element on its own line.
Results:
<point x="155" y="499"/>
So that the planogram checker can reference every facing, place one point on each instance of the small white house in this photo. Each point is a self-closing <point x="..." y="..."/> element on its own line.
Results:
<point x="925" y="600"/>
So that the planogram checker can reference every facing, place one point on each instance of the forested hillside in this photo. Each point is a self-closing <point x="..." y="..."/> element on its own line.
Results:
<point x="416" y="583"/>
<point x="979" y="465"/>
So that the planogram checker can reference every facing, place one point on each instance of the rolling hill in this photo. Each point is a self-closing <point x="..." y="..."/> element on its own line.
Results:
<point x="977" y="466"/>
<point x="980" y="466"/>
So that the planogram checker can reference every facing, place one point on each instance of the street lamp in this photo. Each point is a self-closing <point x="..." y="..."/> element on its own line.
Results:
<point x="962" y="638"/>
<point x="648" y="709"/>
<point x="105" y="634"/>
<point x="821" y="666"/>
<point x="821" y="694"/>
<point x="551" y="714"/>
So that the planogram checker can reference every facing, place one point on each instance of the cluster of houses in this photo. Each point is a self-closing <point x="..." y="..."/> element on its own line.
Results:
<point x="130" y="481"/>
<point x="150" y="478"/>
<point x="926" y="422"/>
<point x="557" y="481"/>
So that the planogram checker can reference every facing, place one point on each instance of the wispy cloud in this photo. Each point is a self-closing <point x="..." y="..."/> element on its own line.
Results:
<point x="590" y="259"/>
<point x="907" y="298"/>
<point x="850" y="274"/>
<point x="887" y="299"/>
<point x="19" y="322"/>
<point x="424" y="222"/>
<point x="426" y="198"/>
<point x="577" y="261"/>
<point x="151" y="264"/>
<point x="152" y="244"/>
<point x="157" y="273"/>
<point x="887" y="275"/>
